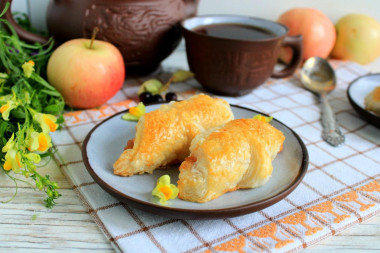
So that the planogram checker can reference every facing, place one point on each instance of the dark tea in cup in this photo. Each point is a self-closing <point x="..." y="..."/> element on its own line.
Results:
<point x="231" y="55"/>
<point x="235" y="31"/>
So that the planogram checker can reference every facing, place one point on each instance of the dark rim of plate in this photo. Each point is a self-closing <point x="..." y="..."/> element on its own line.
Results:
<point x="192" y="213"/>
<point x="368" y="116"/>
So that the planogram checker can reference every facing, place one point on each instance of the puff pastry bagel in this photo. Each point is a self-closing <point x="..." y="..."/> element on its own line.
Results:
<point x="163" y="136"/>
<point x="372" y="101"/>
<point x="238" y="154"/>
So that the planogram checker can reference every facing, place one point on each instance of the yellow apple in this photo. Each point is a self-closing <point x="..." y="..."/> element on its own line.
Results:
<point x="358" y="39"/>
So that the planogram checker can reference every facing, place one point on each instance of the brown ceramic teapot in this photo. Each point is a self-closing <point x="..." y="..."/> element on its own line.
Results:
<point x="145" y="31"/>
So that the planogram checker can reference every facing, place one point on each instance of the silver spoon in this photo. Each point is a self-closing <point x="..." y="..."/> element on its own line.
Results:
<point x="319" y="77"/>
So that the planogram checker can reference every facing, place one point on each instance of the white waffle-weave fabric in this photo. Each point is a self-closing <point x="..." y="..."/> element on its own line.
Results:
<point x="340" y="189"/>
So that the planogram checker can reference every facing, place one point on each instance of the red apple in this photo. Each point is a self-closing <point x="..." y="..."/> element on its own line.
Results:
<point x="86" y="76"/>
<point x="316" y="28"/>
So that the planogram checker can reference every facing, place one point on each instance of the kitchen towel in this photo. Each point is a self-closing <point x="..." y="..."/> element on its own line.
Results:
<point x="340" y="189"/>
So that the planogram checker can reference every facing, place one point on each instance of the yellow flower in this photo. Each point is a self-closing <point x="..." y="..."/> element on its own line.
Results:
<point x="10" y="144"/>
<point x="12" y="157"/>
<point x="135" y="113"/>
<point x="35" y="158"/>
<point x="7" y="108"/>
<point x="39" y="142"/>
<point x="7" y="165"/>
<point x="263" y="118"/>
<point x="4" y="108"/>
<point x="164" y="190"/>
<point x="28" y="68"/>
<point x="12" y="161"/>
<point x="46" y="121"/>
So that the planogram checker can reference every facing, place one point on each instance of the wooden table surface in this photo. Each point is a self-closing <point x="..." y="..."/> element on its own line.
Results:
<point x="27" y="226"/>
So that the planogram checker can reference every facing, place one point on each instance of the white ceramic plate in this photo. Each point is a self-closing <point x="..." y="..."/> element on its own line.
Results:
<point x="358" y="90"/>
<point x="105" y="142"/>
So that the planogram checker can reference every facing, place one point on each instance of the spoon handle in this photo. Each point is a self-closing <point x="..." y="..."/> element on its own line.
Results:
<point x="331" y="132"/>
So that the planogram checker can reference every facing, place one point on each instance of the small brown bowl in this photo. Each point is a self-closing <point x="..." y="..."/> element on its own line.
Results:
<point x="234" y="67"/>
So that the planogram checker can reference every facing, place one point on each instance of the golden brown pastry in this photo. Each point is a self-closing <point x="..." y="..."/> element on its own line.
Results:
<point x="236" y="155"/>
<point x="163" y="136"/>
<point x="372" y="101"/>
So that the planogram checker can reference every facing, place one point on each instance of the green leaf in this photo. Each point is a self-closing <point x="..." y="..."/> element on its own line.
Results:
<point x="53" y="93"/>
<point x="263" y="118"/>
<point x="153" y="86"/>
<point x="7" y="4"/>
<point x="130" y="117"/>
<point x="181" y="75"/>
<point x="18" y="114"/>
<point x="53" y="109"/>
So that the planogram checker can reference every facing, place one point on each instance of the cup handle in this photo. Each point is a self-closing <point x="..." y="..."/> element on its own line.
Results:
<point x="295" y="43"/>
<point x="23" y="34"/>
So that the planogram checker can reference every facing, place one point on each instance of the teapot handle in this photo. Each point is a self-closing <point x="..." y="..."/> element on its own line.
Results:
<point x="23" y="34"/>
<point x="191" y="7"/>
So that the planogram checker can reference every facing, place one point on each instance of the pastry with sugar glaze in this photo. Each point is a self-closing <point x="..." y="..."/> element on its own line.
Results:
<point x="233" y="156"/>
<point x="163" y="136"/>
<point x="372" y="101"/>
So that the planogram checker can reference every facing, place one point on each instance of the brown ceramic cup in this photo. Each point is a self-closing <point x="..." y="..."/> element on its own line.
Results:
<point x="234" y="67"/>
